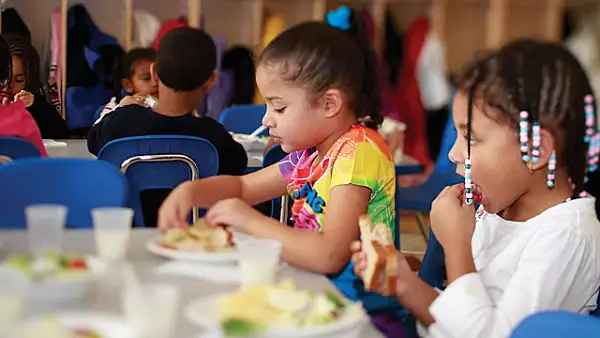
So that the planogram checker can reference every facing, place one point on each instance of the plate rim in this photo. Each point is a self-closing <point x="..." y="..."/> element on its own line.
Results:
<point x="153" y="247"/>
<point x="114" y="319"/>
<point x="314" y="331"/>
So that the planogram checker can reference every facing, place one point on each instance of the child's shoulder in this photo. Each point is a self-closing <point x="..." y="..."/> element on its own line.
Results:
<point x="361" y="140"/>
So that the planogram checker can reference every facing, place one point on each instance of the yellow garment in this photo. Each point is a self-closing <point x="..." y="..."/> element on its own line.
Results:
<point x="274" y="25"/>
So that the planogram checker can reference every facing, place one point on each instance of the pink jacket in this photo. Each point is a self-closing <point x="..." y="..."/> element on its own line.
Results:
<point x="16" y="121"/>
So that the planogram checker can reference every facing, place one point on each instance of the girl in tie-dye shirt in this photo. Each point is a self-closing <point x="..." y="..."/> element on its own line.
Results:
<point x="322" y="106"/>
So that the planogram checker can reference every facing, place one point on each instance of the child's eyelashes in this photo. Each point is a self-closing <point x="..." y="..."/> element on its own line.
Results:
<point x="279" y="110"/>
<point x="473" y="142"/>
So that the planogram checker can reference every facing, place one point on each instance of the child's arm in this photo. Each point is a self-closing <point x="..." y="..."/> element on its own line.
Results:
<point x="323" y="252"/>
<point x="254" y="188"/>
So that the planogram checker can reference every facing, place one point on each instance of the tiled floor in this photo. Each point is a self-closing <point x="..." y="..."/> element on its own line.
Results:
<point x="410" y="236"/>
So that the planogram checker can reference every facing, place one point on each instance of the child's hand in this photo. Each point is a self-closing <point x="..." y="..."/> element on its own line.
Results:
<point x="174" y="211"/>
<point x="26" y="97"/>
<point x="452" y="220"/>
<point x="404" y="272"/>
<point x="232" y="212"/>
<point x="135" y="99"/>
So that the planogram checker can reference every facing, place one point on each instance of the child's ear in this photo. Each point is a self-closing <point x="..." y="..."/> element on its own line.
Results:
<point x="332" y="102"/>
<point x="153" y="72"/>
<point x="210" y="83"/>
<point x="547" y="146"/>
<point x="127" y="86"/>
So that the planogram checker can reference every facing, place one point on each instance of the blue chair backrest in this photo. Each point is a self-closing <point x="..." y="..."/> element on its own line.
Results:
<point x="243" y="119"/>
<point x="79" y="184"/>
<point x="443" y="163"/>
<point x="164" y="172"/>
<point x="558" y="324"/>
<point x="14" y="148"/>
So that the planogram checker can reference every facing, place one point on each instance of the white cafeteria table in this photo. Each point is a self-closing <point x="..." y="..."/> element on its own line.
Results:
<point x="106" y="298"/>
<point x="78" y="149"/>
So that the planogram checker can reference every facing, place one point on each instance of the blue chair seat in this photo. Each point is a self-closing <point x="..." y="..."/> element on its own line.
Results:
<point x="558" y="324"/>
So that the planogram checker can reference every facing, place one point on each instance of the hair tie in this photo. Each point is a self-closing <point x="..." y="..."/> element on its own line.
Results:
<point x="339" y="18"/>
<point x="365" y="119"/>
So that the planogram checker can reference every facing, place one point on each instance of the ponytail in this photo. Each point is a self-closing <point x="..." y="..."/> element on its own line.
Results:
<point x="367" y="103"/>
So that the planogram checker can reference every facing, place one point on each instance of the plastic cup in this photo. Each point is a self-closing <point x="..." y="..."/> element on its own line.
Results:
<point x="152" y="310"/>
<point x="12" y="299"/>
<point x="112" y="228"/>
<point x="258" y="260"/>
<point x="45" y="225"/>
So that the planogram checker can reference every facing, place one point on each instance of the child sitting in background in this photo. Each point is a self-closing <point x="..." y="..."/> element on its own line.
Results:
<point x="15" y="120"/>
<point x="184" y="71"/>
<point x="25" y="86"/>
<point x="133" y="77"/>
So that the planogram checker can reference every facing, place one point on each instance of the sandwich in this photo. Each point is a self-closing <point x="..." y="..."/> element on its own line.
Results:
<point x="378" y="245"/>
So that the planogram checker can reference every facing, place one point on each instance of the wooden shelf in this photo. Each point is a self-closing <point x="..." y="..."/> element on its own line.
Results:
<point x="466" y="26"/>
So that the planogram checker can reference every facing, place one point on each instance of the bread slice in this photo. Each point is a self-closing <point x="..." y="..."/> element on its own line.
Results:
<point x="378" y="245"/>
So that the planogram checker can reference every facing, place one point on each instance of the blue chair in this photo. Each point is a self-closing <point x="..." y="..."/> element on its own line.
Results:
<point x="243" y="119"/>
<point x="14" y="148"/>
<point x="79" y="184"/>
<point x="272" y="156"/>
<point x="419" y="198"/>
<point x="160" y="162"/>
<point x="558" y="324"/>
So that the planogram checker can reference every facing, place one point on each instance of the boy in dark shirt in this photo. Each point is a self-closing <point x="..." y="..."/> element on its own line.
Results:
<point x="185" y="71"/>
<point x="185" y="65"/>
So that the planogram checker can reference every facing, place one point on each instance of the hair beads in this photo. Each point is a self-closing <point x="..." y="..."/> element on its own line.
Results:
<point x="589" y="118"/>
<point x="468" y="183"/>
<point x="537" y="140"/>
<point x="524" y="135"/>
<point x="551" y="170"/>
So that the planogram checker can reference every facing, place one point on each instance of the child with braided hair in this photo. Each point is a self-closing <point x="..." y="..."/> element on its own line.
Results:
<point x="527" y="138"/>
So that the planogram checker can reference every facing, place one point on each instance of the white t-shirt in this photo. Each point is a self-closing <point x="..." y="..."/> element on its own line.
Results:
<point x="550" y="262"/>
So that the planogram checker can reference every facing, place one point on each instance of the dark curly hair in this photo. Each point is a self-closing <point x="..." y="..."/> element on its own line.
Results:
<point x="319" y="57"/>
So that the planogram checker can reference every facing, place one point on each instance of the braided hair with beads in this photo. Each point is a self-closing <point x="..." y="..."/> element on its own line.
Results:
<point x="539" y="84"/>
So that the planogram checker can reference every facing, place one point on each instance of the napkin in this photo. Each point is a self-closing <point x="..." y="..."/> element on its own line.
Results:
<point x="211" y="273"/>
<point x="48" y="143"/>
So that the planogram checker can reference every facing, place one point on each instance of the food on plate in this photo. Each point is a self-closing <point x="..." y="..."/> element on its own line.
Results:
<point x="49" y="266"/>
<point x="378" y="245"/>
<point x="199" y="237"/>
<point x="250" y="311"/>
<point x="51" y="327"/>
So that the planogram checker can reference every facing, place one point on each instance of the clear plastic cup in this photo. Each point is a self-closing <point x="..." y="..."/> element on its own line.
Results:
<point x="112" y="228"/>
<point x="12" y="299"/>
<point x="152" y="310"/>
<point x="45" y="226"/>
<point x="258" y="260"/>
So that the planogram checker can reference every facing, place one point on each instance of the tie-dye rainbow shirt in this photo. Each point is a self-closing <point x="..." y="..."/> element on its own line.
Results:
<point x="360" y="157"/>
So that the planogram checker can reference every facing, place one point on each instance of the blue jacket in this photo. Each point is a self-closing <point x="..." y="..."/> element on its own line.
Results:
<point x="92" y="58"/>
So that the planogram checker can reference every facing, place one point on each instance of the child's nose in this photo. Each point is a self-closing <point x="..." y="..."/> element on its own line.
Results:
<point x="455" y="155"/>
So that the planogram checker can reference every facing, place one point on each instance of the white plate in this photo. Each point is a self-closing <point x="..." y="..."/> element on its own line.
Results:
<point x="203" y="312"/>
<point x="62" y="289"/>
<point x="250" y="143"/>
<point x="107" y="326"/>
<point x="207" y="257"/>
